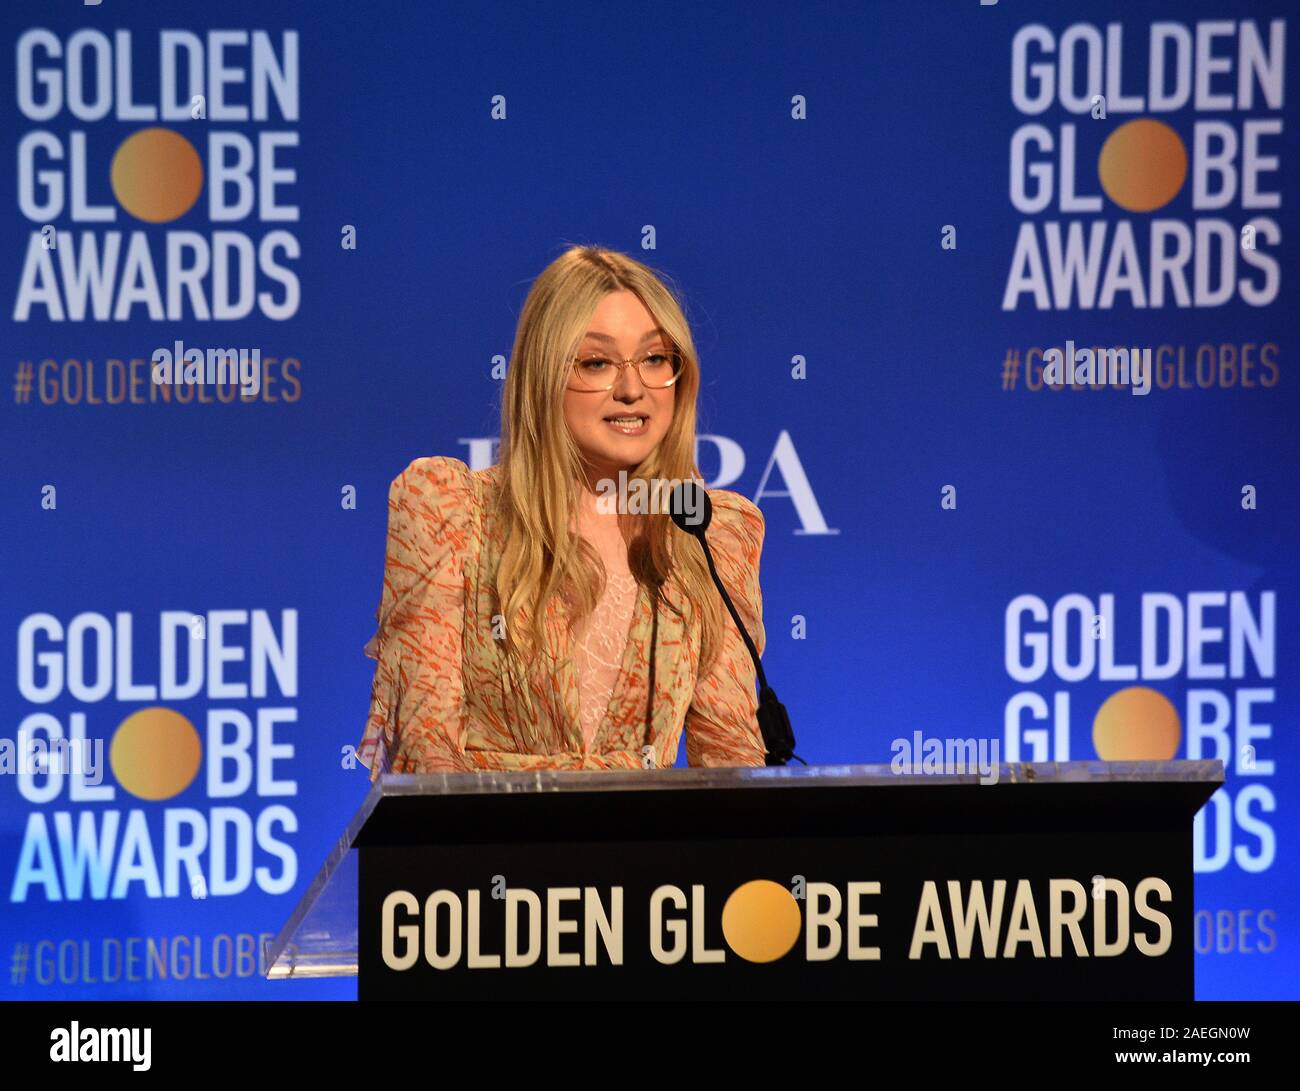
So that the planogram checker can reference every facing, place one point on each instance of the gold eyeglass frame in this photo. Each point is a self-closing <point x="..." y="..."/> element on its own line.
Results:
<point x="631" y="361"/>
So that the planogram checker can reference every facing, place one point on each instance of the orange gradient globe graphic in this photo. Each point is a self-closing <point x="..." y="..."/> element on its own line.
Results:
<point x="155" y="753"/>
<point x="761" y="921"/>
<point x="1136" y="724"/>
<point x="156" y="175"/>
<point x="1142" y="165"/>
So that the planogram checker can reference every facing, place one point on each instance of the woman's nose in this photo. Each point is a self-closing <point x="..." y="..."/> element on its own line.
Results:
<point x="629" y="385"/>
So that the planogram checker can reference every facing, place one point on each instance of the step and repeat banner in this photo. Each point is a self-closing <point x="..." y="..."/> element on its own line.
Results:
<point x="997" y="312"/>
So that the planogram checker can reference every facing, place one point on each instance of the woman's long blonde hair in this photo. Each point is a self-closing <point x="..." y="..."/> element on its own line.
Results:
<point x="541" y="465"/>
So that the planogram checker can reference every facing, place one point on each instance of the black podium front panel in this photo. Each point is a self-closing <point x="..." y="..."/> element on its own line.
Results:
<point x="1065" y="882"/>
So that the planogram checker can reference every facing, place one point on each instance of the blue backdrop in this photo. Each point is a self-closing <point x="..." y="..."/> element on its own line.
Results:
<point x="880" y="216"/>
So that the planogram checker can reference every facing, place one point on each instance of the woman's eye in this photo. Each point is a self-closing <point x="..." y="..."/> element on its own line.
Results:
<point x="595" y="363"/>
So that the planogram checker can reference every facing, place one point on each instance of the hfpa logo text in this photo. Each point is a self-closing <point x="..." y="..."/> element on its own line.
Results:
<point x="482" y="453"/>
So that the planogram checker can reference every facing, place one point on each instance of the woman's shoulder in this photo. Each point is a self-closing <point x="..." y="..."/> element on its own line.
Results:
<point x="737" y="520"/>
<point x="445" y="488"/>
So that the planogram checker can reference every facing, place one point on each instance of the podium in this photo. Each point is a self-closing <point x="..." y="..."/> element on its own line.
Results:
<point x="1069" y="881"/>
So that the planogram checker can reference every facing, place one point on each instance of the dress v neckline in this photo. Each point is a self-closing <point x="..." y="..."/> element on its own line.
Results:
<point x="569" y="671"/>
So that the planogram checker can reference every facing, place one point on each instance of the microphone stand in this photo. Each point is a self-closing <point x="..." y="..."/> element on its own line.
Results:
<point x="773" y="720"/>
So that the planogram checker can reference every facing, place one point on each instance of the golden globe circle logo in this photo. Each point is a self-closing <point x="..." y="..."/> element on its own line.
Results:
<point x="1142" y="165"/>
<point x="155" y="753"/>
<point x="761" y="921"/>
<point x="1137" y="724"/>
<point x="156" y="175"/>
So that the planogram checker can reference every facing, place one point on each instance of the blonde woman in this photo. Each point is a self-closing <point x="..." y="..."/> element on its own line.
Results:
<point x="526" y="622"/>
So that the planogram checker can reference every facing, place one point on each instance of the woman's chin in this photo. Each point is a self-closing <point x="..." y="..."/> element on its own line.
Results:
<point x="625" y="454"/>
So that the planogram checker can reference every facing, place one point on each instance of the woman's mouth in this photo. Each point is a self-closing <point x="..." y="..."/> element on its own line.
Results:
<point x="631" y="424"/>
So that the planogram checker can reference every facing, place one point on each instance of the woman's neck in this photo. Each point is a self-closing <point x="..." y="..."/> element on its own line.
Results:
<point x="594" y="475"/>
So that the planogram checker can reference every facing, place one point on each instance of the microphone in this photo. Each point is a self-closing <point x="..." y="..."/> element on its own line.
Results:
<point x="691" y="511"/>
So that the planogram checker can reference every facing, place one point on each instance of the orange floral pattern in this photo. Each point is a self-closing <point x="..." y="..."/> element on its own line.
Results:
<point x="446" y="698"/>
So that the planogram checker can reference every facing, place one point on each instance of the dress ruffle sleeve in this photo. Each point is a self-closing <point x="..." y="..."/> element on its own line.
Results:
<point x="721" y="723"/>
<point x="417" y="705"/>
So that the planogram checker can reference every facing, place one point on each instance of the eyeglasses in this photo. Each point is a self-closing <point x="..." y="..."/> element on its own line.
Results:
<point x="597" y="371"/>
